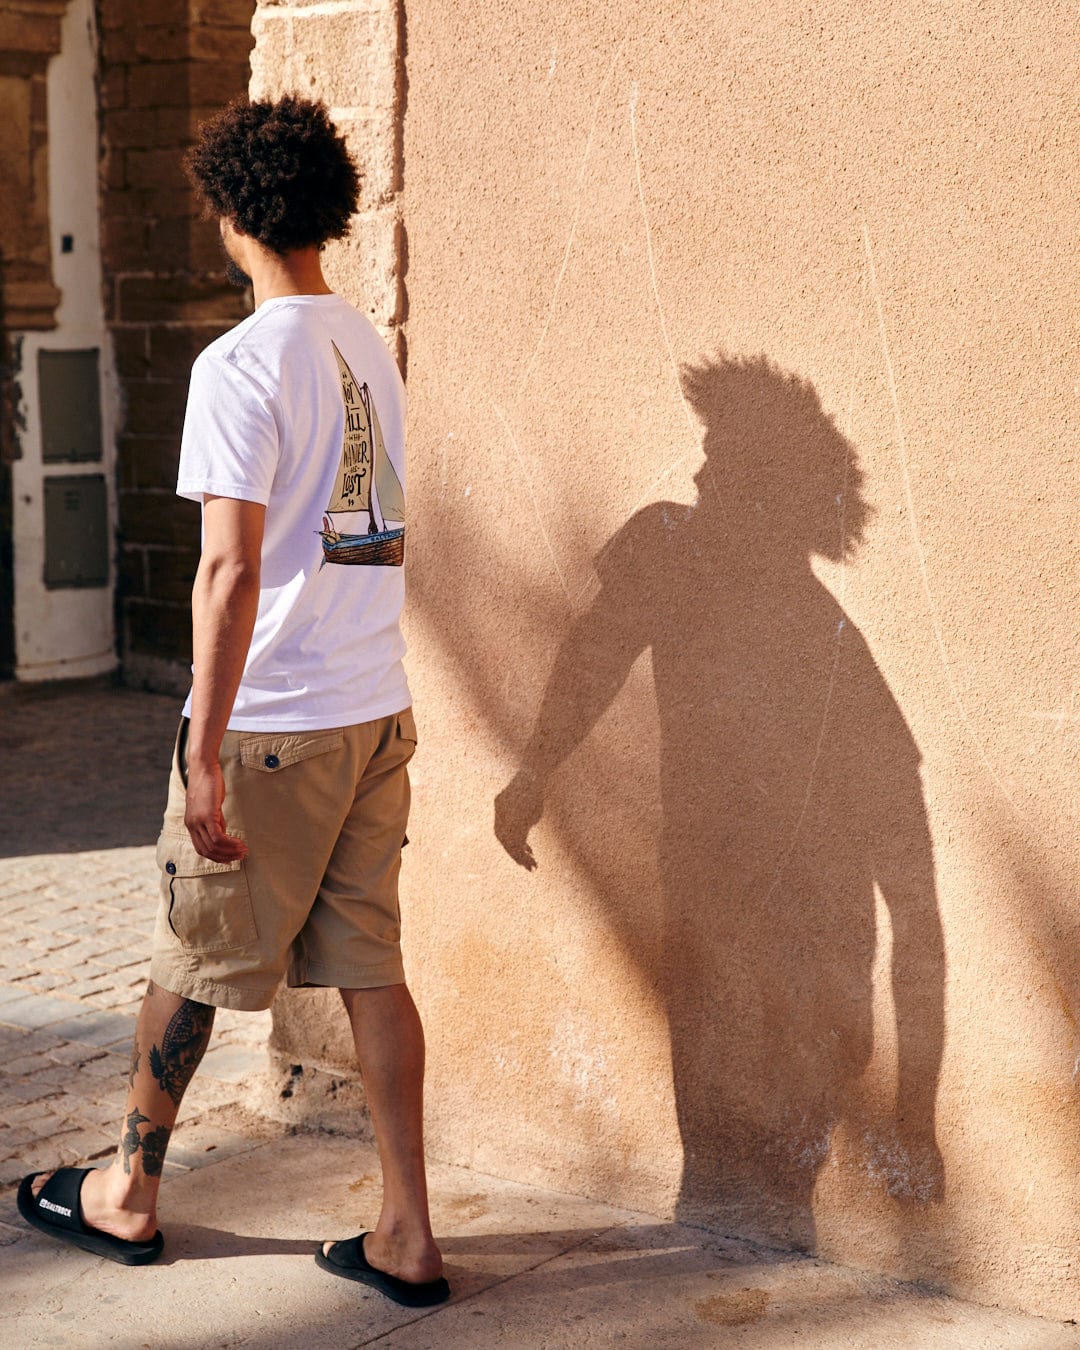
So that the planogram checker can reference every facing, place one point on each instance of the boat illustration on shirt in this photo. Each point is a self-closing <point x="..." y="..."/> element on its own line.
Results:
<point x="365" y="478"/>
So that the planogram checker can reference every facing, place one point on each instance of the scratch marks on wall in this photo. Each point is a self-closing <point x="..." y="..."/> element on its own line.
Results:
<point x="652" y="262"/>
<point x="1061" y="717"/>
<point x="654" y="279"/>
<point x="916" y="536"/>
<point x="532" y="497"/>
<point x="534" y="356"/>
<point x="579" y="190"/>
<point x="677" y="463"/>
<point x="663" y="322"/>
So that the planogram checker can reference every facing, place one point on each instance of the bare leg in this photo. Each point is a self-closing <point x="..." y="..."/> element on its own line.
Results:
<point x="171" y="1036"/>
<point x="390" y="1047"/>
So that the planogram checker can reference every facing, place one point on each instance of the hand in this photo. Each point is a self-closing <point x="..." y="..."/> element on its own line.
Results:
<point x="518" y="807"/>
<point x="204" y="818"/>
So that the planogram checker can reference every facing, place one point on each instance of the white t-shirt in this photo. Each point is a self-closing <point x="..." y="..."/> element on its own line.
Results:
<point x="301" y="407"/>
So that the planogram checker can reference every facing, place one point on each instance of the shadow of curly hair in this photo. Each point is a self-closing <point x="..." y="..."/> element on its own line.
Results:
<point x="278" y="170"/>
<point x="778" y="456"/>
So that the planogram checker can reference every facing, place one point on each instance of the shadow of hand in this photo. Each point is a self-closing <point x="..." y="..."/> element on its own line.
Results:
<point x="517" y="809"/>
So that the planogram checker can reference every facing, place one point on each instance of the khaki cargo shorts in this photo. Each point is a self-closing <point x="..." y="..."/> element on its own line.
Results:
<point x="315" y="901"/>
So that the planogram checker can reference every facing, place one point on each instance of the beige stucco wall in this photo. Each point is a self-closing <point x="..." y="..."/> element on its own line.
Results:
<point x="798" y="952"/>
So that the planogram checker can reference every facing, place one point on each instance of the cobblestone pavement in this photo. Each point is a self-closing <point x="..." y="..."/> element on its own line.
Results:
<point x="83" y="776"/>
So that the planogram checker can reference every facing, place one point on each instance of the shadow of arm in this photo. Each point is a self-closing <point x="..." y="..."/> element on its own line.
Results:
<point x="906" y="878"/>
<point x="590" y="668"/>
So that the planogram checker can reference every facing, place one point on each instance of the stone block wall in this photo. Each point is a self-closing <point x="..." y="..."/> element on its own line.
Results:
<point x="299" y="50"/>
<point x="163" y="70"/>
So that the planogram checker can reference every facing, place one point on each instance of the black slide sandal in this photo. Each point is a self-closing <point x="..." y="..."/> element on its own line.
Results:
<point x="347" y="1259"/>
<point x="56" y="1210"/>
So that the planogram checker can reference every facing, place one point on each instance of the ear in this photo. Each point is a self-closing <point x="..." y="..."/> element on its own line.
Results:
<point x="230" y="230"/>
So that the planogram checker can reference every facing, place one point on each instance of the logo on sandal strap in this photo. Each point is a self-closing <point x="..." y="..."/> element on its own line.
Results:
<point x="57" y="1209"/>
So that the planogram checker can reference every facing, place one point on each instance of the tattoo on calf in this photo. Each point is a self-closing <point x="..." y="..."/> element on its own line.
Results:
<point x="153" y="1144"/>
<point x="130" y="1142"/>
<point x="135" y="1057"/>
<point x="185" y="1040"/>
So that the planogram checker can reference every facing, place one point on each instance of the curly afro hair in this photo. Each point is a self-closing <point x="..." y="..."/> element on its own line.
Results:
<point x="279" y="171"/>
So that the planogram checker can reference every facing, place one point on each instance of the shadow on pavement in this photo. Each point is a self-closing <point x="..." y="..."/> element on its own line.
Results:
<point x="197" y="1242"/>
<point x="83" y="765"/>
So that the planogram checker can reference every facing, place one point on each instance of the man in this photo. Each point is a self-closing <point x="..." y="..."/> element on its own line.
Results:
<point x="289" y="792"/>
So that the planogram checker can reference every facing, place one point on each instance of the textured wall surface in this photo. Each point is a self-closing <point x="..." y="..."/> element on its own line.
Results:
<point x="163" y="70"/>
<point x="743" y="580"/>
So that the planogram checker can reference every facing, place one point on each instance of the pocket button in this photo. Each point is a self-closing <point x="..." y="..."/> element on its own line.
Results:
<point x="170" y="867"/>
<point x="271" y="761"/>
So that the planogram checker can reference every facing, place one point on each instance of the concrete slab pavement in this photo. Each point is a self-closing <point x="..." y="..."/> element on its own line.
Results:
<point x="529" y="1268"/>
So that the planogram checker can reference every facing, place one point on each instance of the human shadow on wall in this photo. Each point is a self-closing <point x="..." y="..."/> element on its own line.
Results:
<point x="789" y="787"/>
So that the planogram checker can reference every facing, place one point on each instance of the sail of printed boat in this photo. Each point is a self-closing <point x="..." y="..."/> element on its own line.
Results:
<point x="364" y="463"/>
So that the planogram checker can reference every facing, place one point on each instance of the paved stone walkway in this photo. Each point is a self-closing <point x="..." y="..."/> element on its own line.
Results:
<point x="83" y="775"/>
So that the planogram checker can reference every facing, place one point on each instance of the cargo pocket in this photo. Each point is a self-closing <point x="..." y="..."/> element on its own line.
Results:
<point x="270" y="753"/>
<point x="207" y="904"/>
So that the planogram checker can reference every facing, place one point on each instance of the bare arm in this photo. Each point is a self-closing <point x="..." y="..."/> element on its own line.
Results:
<point x="224" y="602"/>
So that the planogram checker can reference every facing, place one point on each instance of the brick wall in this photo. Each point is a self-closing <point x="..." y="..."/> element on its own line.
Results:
<point x="164" y="68"/>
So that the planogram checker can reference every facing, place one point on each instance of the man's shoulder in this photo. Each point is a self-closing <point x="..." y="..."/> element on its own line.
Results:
<point x="224" y="348"/>
<point x="292" y="323"/>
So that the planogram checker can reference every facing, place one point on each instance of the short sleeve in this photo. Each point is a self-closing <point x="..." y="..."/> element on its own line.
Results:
<point x="633" y="568"/>
<point x="231" y="441"/>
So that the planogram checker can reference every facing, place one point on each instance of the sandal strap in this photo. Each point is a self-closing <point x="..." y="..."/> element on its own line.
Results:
<point x="349" y="1252"/>
<point x="58" y="1199"/>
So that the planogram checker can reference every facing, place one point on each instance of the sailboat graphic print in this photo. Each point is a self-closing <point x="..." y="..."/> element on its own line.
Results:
<point x="365" y="478"/>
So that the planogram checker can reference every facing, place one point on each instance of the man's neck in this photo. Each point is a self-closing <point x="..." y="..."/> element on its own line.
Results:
<point x="275" y="275"/>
